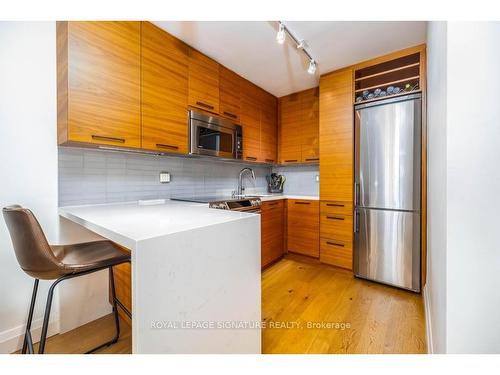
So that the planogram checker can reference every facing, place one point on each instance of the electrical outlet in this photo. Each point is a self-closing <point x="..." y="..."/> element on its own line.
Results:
<point x="164" y="177"/>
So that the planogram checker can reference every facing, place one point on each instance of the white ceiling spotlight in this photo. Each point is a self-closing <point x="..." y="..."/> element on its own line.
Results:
<point x="300" y="44"/>
<point x="312" y="67"/>
<point x="280" y="37"/>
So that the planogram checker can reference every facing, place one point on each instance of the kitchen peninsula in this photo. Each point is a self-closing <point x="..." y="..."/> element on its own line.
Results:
<point x="190" y="265"/>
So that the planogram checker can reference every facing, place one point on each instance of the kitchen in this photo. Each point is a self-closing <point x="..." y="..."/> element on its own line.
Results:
<point x="245" y="216"/>
<point x="296" y="224"/>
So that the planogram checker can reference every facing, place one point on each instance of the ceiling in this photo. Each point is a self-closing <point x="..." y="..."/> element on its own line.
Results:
<point x="250" y="49"/>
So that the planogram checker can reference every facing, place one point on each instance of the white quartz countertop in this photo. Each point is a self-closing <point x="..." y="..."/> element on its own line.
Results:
<point x="128" y="223"/>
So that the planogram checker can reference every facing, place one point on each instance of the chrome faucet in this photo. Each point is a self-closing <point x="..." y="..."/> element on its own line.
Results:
<point x="241" y="189"/>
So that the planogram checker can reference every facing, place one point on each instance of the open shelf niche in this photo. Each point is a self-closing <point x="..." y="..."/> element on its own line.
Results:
<point x="403" y="73"/>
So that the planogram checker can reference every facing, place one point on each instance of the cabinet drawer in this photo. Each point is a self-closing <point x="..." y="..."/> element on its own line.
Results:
<point x="272" y="205"/>
<point x="336" y="207"/>
<point x="337" y="253"/>
<point x="335" y="226"/>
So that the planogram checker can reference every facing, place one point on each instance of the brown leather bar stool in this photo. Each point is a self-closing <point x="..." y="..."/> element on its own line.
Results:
<point x="42" y="261"/>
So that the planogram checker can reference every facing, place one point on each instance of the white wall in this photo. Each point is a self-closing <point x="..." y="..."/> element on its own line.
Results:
<point x="435" y="290"/>
<point x="473" y="133"/>
<point x="28" y="159"/>
<point x="29" y="176"/>
<point x="462" y="295"/>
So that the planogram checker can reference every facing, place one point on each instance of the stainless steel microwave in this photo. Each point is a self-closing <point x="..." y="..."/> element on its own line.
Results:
<point x="214" y="136"/>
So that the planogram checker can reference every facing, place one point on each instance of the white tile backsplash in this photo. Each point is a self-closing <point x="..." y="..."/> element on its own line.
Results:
<point x="88" y="176"/>
<point x="300" y="179"/>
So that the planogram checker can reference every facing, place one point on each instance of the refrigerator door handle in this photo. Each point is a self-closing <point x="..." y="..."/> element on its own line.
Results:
<point x="356" y="221"/>
<point x="356" y="194"/>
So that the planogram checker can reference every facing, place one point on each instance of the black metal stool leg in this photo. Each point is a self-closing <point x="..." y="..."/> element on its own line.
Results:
<point x="43" y="337"/>
<point x="46" y="317"/>
<point x="28" y="342"/>
<point x="115" y="313"/>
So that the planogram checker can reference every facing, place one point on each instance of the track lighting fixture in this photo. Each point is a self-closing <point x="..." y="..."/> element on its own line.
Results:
<point x="280" y="37"/>
<point x="301" y="45"/>
<point x="312" y="67"/>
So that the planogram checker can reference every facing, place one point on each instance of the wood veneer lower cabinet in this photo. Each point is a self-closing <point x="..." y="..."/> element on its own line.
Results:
<point x="336" y="232"/>
<point x="99" y="83"/>
<point x="272" y="231"/>
<point x="123" y="288"/>
<point x="303" y="227"/>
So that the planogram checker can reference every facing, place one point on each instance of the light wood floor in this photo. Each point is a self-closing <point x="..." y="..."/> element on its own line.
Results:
<point x="89" y="336"/>
<point x="298" y="290"/>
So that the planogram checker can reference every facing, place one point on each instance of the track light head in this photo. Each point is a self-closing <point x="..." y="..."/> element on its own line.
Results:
<point x="312" y="67"/>
<point x="302" y="44"/>
<point x="280" y="37"/>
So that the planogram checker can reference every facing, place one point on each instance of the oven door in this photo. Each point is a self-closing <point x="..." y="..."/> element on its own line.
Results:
<point x="213" y="140"/>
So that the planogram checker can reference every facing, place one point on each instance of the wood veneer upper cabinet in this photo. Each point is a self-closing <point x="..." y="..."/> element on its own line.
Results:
<point x="250" y="121"/>
<point x="98" y="69"/>
<point x="303" y="227"/>
<point x="336" y="136"/>
<point x="259" y="123"/>
<point x="229" y="92"/>
<point x="290" y="128"/>
<point x="203" y="82"/>
<point x="309" y="110"/>
<point x="269" y="132"/>
<point x="164" y="91"/>
<point x="300" y="127"/>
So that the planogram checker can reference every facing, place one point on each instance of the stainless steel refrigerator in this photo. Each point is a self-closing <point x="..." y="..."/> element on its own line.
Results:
<point x="387" y="191"/>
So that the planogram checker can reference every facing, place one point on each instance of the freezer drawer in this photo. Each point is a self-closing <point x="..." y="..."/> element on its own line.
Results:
<point x="387" y="247"/>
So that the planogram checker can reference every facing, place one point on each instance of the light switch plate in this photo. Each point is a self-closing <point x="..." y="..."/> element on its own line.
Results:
<point x="317" y="178"/>
<point x="164" y="177"/>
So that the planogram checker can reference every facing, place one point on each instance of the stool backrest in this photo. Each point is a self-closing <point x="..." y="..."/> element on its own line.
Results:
<point x="30" y="244"/>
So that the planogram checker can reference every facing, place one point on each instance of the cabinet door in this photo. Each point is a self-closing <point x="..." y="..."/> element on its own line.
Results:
<point x="164" y="91"/>
<point x="303" y="227"/>
<point x="336" y="137"/>
<point x="268" y="134"/>
<point x="229" y="94"/>
<point x="203" y="82"/>
<point x="103" y="72"/>
<point x="290" y="150"/>
<point x="309" y="108"/>
<point x="272" y="229"/>
<point x="250" y="122"/>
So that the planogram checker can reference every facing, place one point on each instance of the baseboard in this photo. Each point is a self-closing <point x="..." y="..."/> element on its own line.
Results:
<point x="428" y="321"/>
<point x="12" y="340"/>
